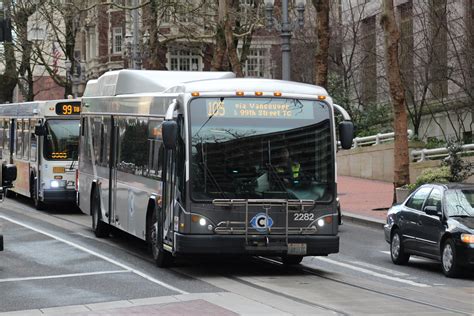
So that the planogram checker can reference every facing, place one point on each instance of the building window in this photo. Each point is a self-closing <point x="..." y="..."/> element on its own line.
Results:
<point x="369" y="62"/>
<point x="406" y="48"/>
<point x="184" y="59"/>
<point x="254" y="66"/>
<point x="117" y="38"/>
<point x="439" y="49"/>
<point x="92" y="44"/>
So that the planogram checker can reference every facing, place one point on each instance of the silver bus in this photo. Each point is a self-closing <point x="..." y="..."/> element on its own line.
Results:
<point x="206" y="163"/>
<point x="41" y="138"/>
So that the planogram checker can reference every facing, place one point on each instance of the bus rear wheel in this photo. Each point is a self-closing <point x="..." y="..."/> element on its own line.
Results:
<point x="99" y="227"/>
<point x="161" y="257"/>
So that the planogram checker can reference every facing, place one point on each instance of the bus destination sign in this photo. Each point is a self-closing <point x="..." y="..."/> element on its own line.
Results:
<point x="68" y="108"/>
<point x="275" y="110"/>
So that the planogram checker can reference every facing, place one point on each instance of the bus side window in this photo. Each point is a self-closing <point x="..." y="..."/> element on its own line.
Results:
<point x="132" y="145"/>
<point x="19" y="139"/>
<point x="26" y="140"/>
<point x="33" y="140"/>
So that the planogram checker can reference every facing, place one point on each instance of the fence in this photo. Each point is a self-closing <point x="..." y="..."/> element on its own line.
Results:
<point x="426" y="154"/>
<point x="376" y="139"/>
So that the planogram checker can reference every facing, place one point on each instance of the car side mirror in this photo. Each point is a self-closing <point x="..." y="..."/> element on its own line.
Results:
<point x="40" y="130"/>
<point x="432" y="210"/>
<point x="169" y="131"/>
<point x="346" y="134"/>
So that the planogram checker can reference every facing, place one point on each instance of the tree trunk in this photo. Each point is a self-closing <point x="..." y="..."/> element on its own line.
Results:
<point x="392" y="36"/>
<point x="154" y="60"/>
<point x="229" y="39"/>
<point x="9" y="78"/>
<point x="220" y="47"/>
<point x="322" y="52"/>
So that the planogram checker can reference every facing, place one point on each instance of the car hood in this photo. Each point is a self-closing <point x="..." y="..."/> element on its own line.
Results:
<point x="464" y="222"/>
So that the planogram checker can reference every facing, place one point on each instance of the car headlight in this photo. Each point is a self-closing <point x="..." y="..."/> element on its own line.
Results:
<point x="467" y="238"/>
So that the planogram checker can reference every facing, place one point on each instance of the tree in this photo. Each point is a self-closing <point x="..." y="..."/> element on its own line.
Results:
<point x="392" y="37"/>
<point x="322" y="31"/>
<point x="9" y="78"/>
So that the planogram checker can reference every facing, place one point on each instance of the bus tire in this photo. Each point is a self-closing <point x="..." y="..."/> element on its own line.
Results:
<point x="162" y="258"/>
<point x="10" y="194"/>
<point x="99" y="227"/>
<point x="291" y="260"/>
<point x="39" y="205"/>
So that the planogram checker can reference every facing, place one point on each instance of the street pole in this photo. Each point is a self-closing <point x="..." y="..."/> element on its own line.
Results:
<point x="285" y="28"/>
<point x="285" y="42"/>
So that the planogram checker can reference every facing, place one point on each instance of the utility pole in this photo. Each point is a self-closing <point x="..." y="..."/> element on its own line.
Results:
<point x="137" y="63"/>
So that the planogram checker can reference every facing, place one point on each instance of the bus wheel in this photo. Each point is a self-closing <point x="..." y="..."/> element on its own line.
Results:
<point x="10" y="194"/>
<point x="39" y="205"/>
<point x="161" y="257"/>
<point x="291" y="260"/>
<point x="99" y="227"/>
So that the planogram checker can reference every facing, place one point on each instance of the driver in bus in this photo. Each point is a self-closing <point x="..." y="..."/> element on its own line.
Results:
<point x="289" y="169"/>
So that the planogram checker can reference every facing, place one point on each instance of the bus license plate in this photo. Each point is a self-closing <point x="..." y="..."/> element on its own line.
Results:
<point x="296" y="249"/>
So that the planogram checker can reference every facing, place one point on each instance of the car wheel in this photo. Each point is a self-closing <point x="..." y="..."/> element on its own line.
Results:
<point x="161" y="257"/>
<point x="397" y="251"/>
<point x="448" y="259"/>
<point x="100" y="228"/>
<point x="291" y="260"/>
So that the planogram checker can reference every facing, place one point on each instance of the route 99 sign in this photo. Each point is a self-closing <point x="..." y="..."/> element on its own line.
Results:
<point x="68" y="108"/>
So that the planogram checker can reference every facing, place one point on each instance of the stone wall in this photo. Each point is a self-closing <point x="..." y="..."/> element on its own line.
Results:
<point x="376" y="163"/>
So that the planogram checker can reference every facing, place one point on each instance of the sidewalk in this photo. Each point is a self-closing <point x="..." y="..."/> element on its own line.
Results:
<point x="364" y="201"/>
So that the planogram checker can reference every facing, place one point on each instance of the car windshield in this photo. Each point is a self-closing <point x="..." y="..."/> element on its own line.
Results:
<point x="460" y="202"/>
<point x="62" y="139"/>
<point x="261" y="148"/>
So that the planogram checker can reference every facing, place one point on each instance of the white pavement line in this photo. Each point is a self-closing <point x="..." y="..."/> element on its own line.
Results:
<point x="124" y="266"/>
<point x="375" y="267"/>
<point x="59" y="276"/>
<point x="375" y="274"/>
<point x="385" y="252"/>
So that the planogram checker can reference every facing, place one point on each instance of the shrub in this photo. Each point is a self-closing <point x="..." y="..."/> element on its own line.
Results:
<point x="430" y="175"/>
<point x="459" y="169"/>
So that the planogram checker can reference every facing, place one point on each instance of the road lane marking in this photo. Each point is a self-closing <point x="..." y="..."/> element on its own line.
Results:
<point x="385" y="252"/>
<point x="59" y="276"/>
<point x="124" y="266"/>
<point x="375" y="267"/>
<point x="372" y="273"/>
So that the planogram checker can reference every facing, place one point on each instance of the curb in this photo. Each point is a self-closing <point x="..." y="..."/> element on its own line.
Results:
<point x="362" y="220"/>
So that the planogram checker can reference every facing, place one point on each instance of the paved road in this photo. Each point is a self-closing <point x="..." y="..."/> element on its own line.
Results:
<point x="53" y="260"/>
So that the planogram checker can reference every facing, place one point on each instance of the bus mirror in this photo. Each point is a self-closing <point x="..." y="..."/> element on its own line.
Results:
<point x="346" y="134"/>
<point x="169" y="131"/>
<point x="40" y="130"/>
<point x="8" y="175"/>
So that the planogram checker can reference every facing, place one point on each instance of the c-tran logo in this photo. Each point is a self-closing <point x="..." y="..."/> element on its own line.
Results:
<point x="261" y="222"/>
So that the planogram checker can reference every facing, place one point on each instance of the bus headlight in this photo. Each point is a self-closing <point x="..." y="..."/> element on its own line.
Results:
<point x="54" y="184"/>
<point x="204" y="224"/>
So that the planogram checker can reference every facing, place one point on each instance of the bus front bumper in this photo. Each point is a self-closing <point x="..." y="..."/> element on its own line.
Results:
<point x="321" y="245"/>
<point x="59" y="195"/>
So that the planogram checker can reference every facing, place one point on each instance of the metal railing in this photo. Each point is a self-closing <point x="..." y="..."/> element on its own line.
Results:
<point x="376" y="139"/>
<point x="426" y="154"/>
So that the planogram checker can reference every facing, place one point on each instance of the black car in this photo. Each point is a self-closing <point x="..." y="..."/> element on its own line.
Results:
<point x="435" y="221"/>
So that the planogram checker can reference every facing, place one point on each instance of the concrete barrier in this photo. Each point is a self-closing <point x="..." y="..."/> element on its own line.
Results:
<point x="376" y="162"/>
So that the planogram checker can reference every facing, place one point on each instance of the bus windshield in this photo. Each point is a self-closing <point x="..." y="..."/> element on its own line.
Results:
<point x="62" y="139"/>
<point x="261" y="148"/>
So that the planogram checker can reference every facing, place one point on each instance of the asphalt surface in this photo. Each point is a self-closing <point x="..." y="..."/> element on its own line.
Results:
<point x="52" y="259"/>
